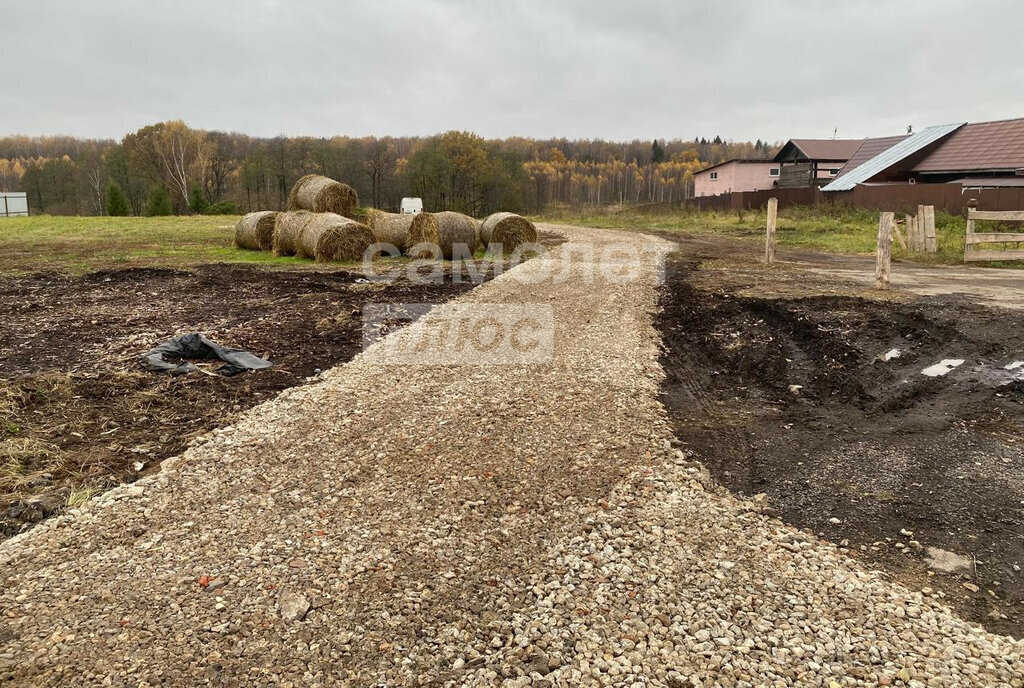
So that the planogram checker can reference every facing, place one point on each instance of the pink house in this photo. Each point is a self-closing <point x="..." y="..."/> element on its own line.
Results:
<point x="736" y="175"/>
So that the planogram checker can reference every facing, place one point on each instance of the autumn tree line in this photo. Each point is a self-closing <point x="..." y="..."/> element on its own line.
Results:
<point x="170" y="168"/>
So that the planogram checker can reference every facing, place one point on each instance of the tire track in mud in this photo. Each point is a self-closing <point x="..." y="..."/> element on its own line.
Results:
<point x="787" y="396"/>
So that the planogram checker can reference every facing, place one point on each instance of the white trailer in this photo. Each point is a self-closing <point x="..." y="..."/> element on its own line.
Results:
<point x="411" y="206"/>
<point x="13" y="204"/>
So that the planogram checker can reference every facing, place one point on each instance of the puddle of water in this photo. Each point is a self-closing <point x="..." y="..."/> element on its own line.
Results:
<point x="943" y="367"/>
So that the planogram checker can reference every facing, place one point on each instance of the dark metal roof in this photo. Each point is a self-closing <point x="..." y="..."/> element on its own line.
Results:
<point x="994" y="146"/>
<point x="869" y="148"/>
<point x="829" y="150"/>
<point x="908" y="146"/>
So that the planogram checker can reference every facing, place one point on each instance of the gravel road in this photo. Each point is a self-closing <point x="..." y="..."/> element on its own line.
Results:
<point x="467" y="525"/>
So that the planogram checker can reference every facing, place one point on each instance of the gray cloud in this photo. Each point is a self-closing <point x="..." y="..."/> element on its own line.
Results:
<point x="769" y="69"/>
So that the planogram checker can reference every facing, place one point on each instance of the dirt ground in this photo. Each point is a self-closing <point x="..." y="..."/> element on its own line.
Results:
<point x="77" y="412"/>
<point x="775" y="383"/>
<point x="989" y="286"/>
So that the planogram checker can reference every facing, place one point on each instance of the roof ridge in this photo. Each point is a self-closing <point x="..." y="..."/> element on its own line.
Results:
<point x="831" y="140"/>
<point x="997" y="121"/>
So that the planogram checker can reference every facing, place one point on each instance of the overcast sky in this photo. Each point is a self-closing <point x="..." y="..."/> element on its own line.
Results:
<point x="623" y="69"/>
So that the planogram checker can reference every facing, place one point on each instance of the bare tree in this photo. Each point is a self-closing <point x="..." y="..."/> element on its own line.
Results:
<point x="172" y="154"/>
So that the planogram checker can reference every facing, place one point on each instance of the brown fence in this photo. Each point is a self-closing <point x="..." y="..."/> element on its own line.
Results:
<point x="747" y="200"/>
<point x="896" y="197"/>
<point x="974" y="239"/>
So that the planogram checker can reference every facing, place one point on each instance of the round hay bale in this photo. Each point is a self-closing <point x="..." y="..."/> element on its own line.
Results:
<point x="403" y="230"/>
<point x="456" y="231"/>
<point x="287" y="227"/>
<point x="507" y="230"/>
<point x="255" y="231"/>
<point x="329" y="236"/>
<point x="320" y="194"/>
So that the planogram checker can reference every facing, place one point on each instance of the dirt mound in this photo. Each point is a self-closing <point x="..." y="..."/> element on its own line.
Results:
<point x="792" y="397"/>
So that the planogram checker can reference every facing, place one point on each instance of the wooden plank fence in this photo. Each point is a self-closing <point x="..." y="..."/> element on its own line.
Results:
<point x="921" y="237"/>
<point x="975" y="239"/>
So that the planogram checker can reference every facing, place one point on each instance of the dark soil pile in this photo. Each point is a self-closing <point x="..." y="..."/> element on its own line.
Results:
<point x="78" y="414"/>
<point x="789" y="397"/>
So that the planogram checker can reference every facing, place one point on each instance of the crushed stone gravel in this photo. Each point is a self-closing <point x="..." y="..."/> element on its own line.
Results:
<point x="467" y="525"/>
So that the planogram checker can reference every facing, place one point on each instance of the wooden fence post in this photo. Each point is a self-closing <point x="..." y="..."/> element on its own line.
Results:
<point x="883" y="262"/>
<point x="972" y="207"/>
<point x="911" y="232"/>
<point x="921" y="228"/>
<point x="931" y="244"/>
<point x="769" y="246"/>
<point x="899" y="235"/>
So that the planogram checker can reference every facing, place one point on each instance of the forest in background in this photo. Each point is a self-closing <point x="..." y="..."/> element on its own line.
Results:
<point x="170" y="168"/>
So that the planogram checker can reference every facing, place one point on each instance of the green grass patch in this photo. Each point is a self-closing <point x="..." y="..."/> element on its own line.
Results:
<point x="83" y="244"/>
<point x="830" y="229"/>
<point x="77" y="245"/>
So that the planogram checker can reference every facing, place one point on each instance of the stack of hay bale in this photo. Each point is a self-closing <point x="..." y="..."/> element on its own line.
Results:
<point x="459" y="235"/>
<point x="415" y="235"/>
<point x="316" y="225"/>
<point x="324" y="222"/>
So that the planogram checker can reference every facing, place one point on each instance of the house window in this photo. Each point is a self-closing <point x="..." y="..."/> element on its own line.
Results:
<point x="834" y="171"/>
<point x="714" y="176"/>
<point x="773" y="171"/>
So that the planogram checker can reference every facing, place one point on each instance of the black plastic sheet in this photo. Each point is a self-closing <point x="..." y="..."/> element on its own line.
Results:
<point x="196" y="346"/>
